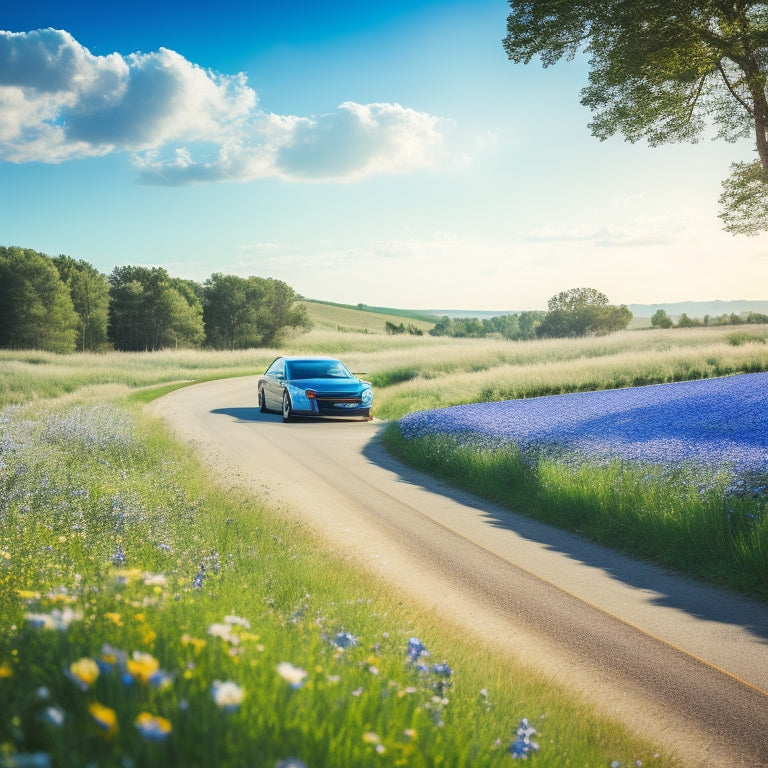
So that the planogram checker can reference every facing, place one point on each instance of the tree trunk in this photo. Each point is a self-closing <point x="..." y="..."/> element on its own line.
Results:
<point x="761" y="126"/>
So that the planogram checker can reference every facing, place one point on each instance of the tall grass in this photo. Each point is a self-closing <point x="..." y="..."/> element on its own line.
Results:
<point x="416" y="372"/>
<point x="673" y="516"/>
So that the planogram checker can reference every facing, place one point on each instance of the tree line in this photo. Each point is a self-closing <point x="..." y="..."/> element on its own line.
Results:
<point x="571" y="313"/>
<point x="61" y="304"/>
<point x="661" y="319"/>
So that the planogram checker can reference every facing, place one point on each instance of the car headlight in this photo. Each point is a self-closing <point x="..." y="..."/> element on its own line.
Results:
<point x="367" y="396"/>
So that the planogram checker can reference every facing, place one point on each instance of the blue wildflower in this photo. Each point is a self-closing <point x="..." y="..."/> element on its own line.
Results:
<point x="197" y="583"/>
<point x="345" y="640"/>
<point x="416" y="649"/>
<point x="119" y="557"/>
<point x="708" y="424"/>
<point x="522" y="746"/>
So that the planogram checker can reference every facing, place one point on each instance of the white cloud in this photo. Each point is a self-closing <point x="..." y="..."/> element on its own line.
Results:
<point x="359" y="140"/>
<point x="186" y="124"/>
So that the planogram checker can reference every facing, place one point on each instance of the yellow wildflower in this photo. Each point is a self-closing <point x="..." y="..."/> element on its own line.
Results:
<point x="142" y="666"/>
<point x="85" y="671"/>
<point x="195" y="642"/>
<point x="153" y="727"/>
<point x="105" y="717"/>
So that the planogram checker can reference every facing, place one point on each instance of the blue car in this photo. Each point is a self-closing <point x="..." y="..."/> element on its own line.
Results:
<point x="321" y="387"/>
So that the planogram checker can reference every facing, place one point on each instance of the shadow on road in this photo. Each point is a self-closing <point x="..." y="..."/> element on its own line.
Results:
<point x="254" y="414"/>
<point x="670" y="590"/>
<point x="247" y="414"/>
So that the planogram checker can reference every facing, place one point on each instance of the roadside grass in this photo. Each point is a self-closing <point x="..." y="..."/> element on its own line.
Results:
<point x="658" y="514"/>
<point x="151" y="618"/>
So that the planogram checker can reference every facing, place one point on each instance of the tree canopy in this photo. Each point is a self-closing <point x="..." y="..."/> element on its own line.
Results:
<point x="582" y="312"/>
<point x="515" y="327"/>
<point x="89" y="291"/>
<point x="150" y="310"/>
<point x="661" y="319"/>
<point x="242" y="312"/>
<point x="664" y="71"/>
<point x="63" y="305"/>
<point x="36" y="310"/>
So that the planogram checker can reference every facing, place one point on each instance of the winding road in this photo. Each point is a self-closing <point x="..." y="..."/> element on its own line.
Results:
<point x="682" y="664"/>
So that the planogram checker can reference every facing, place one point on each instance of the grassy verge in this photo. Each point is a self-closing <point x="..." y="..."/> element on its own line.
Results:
<point x="148" y="619"/>
<point x="656" y="515"/>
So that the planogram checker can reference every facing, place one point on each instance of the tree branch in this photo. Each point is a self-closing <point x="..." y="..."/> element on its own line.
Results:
<point x="747" y="107"/>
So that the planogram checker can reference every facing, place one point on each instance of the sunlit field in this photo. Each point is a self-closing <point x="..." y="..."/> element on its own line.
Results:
<point x="149" y="618"/>
<point x="676" y="473"/>
<point x="417" y="372"/>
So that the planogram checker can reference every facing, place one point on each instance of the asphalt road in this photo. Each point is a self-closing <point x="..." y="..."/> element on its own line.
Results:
<point x="680" y="663"/>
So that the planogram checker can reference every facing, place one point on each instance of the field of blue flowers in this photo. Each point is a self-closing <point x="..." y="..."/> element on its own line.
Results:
<point x="696" y="452"/>
<point x="718" y="425"/>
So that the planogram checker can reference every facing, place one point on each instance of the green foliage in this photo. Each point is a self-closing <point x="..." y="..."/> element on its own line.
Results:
<point x="397" y="328"/>
<point x="249" y="312"/>
<point x="661" y="319"/>
<point x="149" y="310"/>
<point x="744" y="199"/>
<point x="63" y="305"/>
<point x="663" y="72"/>
<point x="36" y="310"/>
<point x="582" y="312"/>
<point x="512" y="327"/>
<point x="89" y="290"/>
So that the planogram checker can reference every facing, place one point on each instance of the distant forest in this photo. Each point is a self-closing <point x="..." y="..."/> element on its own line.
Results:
<point x="60" y="304"/>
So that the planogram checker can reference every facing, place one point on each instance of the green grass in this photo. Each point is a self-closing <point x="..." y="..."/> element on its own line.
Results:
<point x="347" y="319"/>
<point x="107" y="525"/>
<point x="653" y="514"/>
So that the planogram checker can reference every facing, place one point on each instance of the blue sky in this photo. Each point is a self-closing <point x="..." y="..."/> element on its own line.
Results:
<point x="378" y="153"/>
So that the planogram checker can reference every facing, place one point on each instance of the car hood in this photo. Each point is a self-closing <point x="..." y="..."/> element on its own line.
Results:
<point x="338" y="386"/>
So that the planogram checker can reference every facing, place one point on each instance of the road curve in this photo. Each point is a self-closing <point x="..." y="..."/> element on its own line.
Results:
<point x="682" y="664"/>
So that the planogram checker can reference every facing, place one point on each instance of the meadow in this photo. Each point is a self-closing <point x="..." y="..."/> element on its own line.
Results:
<point x="150" y="618"/>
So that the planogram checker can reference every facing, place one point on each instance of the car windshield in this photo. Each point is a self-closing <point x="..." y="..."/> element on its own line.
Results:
<point x="317" y="369"/>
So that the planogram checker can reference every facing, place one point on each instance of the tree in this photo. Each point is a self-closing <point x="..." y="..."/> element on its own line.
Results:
<point x="89" y="291"/>
<point x="149" y="310"/>
<point x="36" y="310"/>
<point x="687" y="322"/>
<point x="529" y="323"/>
<point x="664" y="70"/>
<point x="661" y="319"/>
<point x="240" y="312"/>
<point x="582" y="312"/>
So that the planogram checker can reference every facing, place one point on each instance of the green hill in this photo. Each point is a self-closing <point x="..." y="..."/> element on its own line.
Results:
<point x="362" y="319"/>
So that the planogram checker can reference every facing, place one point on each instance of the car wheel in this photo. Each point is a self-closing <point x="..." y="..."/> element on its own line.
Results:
<point x="287" y="411"/>
<point x="262" y="401"/>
